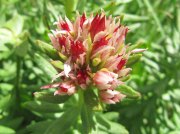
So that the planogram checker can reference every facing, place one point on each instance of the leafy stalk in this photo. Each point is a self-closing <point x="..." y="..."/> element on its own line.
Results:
<point x="86" y="113"/>
<point x="17" y="81"/>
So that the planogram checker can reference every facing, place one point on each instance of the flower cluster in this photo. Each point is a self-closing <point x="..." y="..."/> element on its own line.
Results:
<point x="94" y="53"/>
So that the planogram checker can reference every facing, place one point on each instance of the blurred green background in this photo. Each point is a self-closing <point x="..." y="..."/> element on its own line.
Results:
<point x="24" y="68"/>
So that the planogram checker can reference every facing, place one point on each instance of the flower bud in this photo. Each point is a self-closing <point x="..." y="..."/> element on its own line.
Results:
<point x="96" y="61"/>
<point x="111" y="96"/>
<point x="66" y="88"/>
<point x="105" y="79"/>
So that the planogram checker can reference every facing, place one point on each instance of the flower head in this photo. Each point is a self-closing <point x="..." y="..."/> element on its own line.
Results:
<point x="95" y="54"/>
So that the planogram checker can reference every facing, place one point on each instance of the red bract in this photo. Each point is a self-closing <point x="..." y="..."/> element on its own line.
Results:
<point x="77" y="48"/>
<point x="102" y="42"/>
<point x="62" y="41"/>
<point x="94" y="53"/>
<point x="121" y="64"/>
<point x="65" y="26"/>
<point x="82" y="20"/>
<point x="97" y="25"/>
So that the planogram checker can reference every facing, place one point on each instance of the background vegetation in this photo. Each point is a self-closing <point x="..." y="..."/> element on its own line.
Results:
<point x="24" y="68"/>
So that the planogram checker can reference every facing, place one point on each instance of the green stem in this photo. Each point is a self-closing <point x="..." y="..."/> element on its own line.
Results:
<point x="86" y="113"/>
<point x="17" y="82"/>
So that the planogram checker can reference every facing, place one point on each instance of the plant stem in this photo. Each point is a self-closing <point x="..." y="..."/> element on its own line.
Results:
<point x="86" y="113"/>
<point x="17" y="80"/>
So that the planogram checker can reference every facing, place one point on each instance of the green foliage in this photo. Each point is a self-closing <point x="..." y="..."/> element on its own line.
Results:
<point x="25" y="66"/>
<point x="49" y="97"/>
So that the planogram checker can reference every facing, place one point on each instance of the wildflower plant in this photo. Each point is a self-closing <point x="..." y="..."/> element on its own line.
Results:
<point x="92" y="61"/>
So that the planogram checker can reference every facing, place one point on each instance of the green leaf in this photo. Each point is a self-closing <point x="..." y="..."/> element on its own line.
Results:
<point x="49" y="97"/>
<point x="174" y="132"/>
<point x="132" y="17"/>
<point x="58" y="64"/>
<point x="22" y="46"/>
<point x="38" y="127"/>
<point x="4" y="102"/>
<point x="87" y="101"/>
<point x="6" y="36"/>
<point x="47" y="68"/>
<point x="64" y="123"/>
<point x="6" y="130"/>
<point x="81" y="5"/>
<point x="102" y="121"/>
<point x="133" y="59"/>
<point x="112" y="116"/>
<point x="91" y="99"/>
<point x="109" y="126"/>
<point x="125" y="78"/>
<point x="137" y="45"/>
<point x="129" y="92"/>
<point x="43" y="107"/>
<point x="70" y="7"/>
<point x="87" y="119"/>
<point x="15" y="122"/>
<point x="47" y="49"/>
<point x="15" y="24"/>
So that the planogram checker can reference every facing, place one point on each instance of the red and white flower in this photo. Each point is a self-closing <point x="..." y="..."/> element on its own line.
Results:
<point x="105" y="79"/>
<point x="94" y="52"/>
<point x="111" y="96"/>
<point x="66" y="88"/>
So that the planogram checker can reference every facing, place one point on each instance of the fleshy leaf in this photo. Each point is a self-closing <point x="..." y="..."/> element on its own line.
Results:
<point x="6" y="130"/>
<point x="58" y="64"/>
<point x="110" y="126"/>
<point x="49" y="97"/>
<point x="129" y="92"/>
<point x="15" y="24"/>
<point x="133" y="59"/>
<point x="64" y="122"/>
<point x="48" y="49"/>
<point x="42" y="107"/>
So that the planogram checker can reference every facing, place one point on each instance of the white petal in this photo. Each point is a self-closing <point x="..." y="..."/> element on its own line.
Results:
<point x="67" y="69"/>
<point x="138" y="50"/>
<point x="57" y="76"/>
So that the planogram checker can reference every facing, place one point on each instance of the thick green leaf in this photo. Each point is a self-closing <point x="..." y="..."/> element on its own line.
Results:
<point x="47" y="49"/>
<point x="22" y="49"/>
<point x="125" y="78"/>
<point x="6" y="36"/>
<point x="174" y="132"/>
<point x="132" y="17"/>
<point x="112" y="116"/>
<point x="15" y="123"/>
<point x="133" y="59"/>
<point x="64" y="123"/>
<point x="81" y="5"/>
<point x="91" y="99"/>
<point x="70" y="7"/>
<point x="15" y="24"/>
<point x="4" y="102"/>
<point x="109" y="126"/>
<point x="137" y="45"/>
<point x="42" y="107"/>
<point x="6" y="130"/>
<point x="49" y="97"/>
<point x="87" y="119"/>
<point x="58" y="64"/>
<point x="47" y="68"/>
<point x="129" y="92"/>
<point x="39" y="127"/>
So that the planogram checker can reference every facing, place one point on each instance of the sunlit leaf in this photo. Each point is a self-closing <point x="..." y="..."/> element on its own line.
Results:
<point x="50" y="97"/>
<point x="6" y="130"/>
<point x="43" y="107"/>
<point x="64" y="122"/>
<point x="128" y="91"/>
